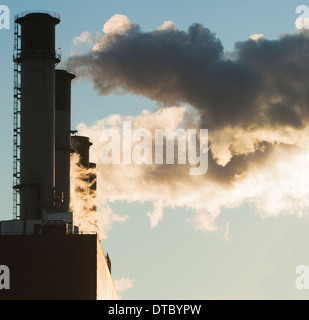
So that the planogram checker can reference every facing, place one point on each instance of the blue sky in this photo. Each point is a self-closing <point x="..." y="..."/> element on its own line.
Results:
<point x="173" y="260"/>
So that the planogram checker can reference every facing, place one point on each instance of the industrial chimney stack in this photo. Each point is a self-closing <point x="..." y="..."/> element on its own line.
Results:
<point x="37" y="156"/>
<point x="63" y="139"/>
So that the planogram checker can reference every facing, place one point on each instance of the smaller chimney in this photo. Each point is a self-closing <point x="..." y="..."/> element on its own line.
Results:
<point x="63" y="139"/>
<point x="81" y="145"/>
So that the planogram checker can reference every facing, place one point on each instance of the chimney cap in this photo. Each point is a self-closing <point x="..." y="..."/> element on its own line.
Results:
<point x="66" y="72"/>
<point x="38" y="13"/>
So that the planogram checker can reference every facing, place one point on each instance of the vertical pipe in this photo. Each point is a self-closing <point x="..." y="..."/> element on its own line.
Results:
<point x="37" y="59"/>
<point x="63" y="139"/>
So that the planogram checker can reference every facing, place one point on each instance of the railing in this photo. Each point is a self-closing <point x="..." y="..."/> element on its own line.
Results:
<point x="24" y="13"/>
<point x="55" y="55"/>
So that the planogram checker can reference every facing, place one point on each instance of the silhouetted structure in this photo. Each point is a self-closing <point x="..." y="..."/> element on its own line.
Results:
<point x="62" y="267"/>
<point x="47" y="257"/>
<point x="63" y="139"/>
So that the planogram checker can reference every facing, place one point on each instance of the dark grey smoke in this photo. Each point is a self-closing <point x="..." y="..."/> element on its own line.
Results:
<point x="264" y="85"/>
<point x="173" y="67"/>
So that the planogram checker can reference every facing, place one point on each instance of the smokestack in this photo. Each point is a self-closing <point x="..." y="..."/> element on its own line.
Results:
<point x="37" y="59"/>
<point x="63" y="139"/>
<point x="81" y="146"/>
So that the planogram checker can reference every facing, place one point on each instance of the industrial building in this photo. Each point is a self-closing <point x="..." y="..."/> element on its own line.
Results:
<point x="46" y="253"/>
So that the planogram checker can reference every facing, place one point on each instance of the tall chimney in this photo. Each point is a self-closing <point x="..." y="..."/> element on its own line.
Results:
<point x="63" y="139"/>
<point x="37" y="59"/>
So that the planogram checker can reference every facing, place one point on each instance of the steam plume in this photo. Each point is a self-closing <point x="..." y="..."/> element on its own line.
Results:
<point x="91" y="213"/>
<point x="254" y="101"/>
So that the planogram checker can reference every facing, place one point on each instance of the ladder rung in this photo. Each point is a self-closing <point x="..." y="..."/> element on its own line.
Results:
<point x="16" y="120"/>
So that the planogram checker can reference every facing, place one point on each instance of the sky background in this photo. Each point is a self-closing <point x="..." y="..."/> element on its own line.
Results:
<point x="257" y="258"/>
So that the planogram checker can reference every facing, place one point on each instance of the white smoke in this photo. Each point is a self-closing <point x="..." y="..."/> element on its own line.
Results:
<point x="124" y="284"/>
<point x="92" y="214"/>
<point x="273" y="186"/>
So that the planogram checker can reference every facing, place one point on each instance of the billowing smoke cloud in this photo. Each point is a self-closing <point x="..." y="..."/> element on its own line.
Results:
<point x="272" y="179"/>
<point x="254" y="101"/>
<point x="264" y="85"/>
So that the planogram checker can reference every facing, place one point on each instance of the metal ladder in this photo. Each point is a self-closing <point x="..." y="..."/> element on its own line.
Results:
<point x="16" y="122"/>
